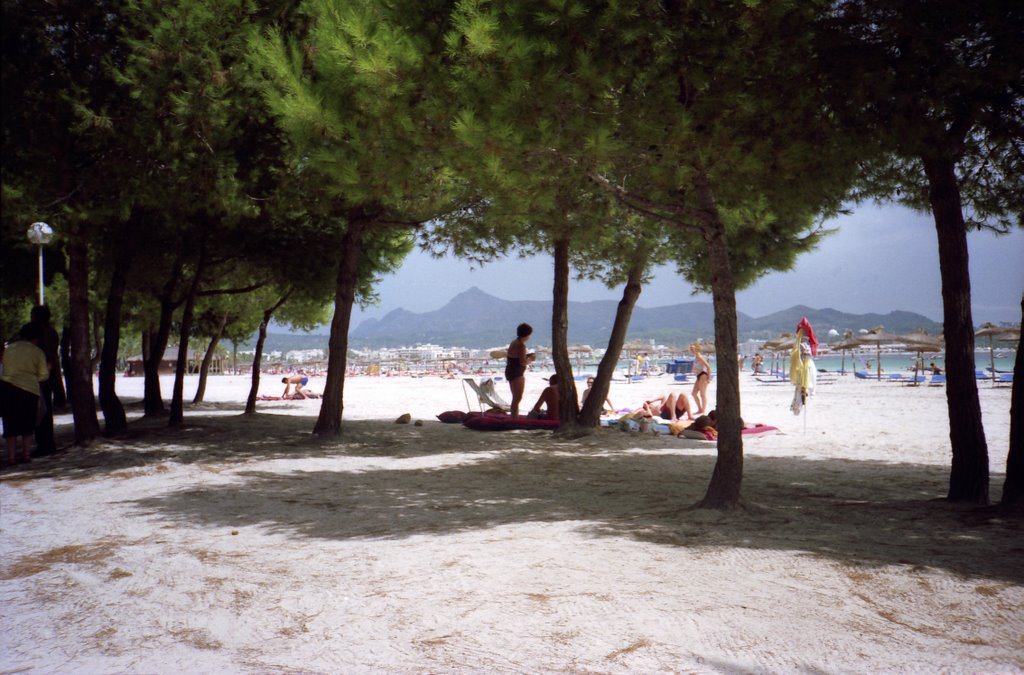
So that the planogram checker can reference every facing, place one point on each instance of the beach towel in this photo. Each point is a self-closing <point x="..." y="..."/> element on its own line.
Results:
<point x="805" y="326"/>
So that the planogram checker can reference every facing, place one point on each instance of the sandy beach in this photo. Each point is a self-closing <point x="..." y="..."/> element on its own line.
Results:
<point x="246" y="544"/>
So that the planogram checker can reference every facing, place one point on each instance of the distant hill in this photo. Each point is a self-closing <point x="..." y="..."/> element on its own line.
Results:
<point x="475" y="319"/>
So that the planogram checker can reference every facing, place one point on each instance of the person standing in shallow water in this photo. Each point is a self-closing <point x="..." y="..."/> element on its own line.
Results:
<point x="516" y="362"/>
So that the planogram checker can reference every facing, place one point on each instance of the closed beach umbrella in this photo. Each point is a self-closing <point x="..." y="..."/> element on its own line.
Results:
<point x="876" y="336"/>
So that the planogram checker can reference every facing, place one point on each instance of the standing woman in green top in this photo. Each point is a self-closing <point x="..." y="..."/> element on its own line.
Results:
<point x="24" y="368"/>
<point x="515" y="365"/>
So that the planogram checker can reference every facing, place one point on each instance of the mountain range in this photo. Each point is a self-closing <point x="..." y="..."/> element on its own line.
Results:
<point x="476" y="319"/>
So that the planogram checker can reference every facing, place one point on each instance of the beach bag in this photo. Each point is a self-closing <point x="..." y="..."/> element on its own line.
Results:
<point x="452" y="417"/>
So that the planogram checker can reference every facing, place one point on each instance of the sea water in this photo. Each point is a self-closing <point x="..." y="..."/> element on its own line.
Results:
<point x="892" y="362"/>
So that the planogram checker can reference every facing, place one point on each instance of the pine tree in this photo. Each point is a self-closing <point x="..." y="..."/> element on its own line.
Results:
<point x="938" y="87"/>
<point x="354" y="95"/>
<point x="704" y="116"/>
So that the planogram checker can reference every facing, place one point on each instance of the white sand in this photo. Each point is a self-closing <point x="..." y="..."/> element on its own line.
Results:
<point x="242" y="544"/>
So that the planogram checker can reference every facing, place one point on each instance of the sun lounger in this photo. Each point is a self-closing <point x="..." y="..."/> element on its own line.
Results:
<point x="485" y="394"/>
<point x="773" y="380"/>
<point x="937" y="380"/>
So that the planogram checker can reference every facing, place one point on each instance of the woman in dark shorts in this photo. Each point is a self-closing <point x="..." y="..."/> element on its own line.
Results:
<point x="515" y="365"/>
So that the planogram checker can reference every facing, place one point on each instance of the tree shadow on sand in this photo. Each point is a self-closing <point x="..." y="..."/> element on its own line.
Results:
<point x="439" y="479"/>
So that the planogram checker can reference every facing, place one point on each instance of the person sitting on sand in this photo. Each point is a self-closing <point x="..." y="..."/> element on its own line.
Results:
<point x="586" y="393"/>
<point x="300" y="380"/>
<point x="549" y="398"/>
<point x="670" y="406"/>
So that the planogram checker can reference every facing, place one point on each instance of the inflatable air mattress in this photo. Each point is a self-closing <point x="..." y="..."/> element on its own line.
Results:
<point x="507" y="423"/>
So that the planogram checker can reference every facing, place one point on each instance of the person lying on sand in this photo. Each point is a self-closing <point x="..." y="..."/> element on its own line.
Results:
<point x="670" y="406"/>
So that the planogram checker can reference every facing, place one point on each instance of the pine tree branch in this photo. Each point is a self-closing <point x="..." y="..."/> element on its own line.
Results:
<point x="234" y="291"/>
<point x="680" y="215"/>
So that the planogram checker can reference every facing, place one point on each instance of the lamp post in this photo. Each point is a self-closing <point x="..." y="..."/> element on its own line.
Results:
<point x="40" y="234"/>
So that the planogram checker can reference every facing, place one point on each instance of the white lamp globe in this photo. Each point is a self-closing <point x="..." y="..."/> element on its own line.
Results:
<point x="40" y="233"/>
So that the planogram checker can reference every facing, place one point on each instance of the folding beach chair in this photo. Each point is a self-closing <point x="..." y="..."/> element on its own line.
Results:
<point x="485" y="394"/>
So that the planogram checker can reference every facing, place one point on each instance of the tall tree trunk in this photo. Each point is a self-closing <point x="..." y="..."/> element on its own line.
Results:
<point x="211" y="349"/>
<point x="332" y="405"/>
<point x="114" y="419"/>
<point x="60" y="394"/>
<point x="724" y="489"/>
<point x="153" y="404"/>
<point x="83" y="401"/>
<point x="590" y="416"/>
<point x="95" y="354"/>
<point x="568" y="407"/>
<point x="257" y="359"/>
<point x="1013" y="487"/>
<point x="177" y="415"/>
<point x="969" y="476"/>
<point x="65" y="360"/>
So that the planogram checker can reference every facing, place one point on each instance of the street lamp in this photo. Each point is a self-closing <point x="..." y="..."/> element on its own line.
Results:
<point x="40" y="234"/>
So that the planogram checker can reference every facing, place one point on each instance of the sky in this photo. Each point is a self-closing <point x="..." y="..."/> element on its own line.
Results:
<point x="881" y="259"/>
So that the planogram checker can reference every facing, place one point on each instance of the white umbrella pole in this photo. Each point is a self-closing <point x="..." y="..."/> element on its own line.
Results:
<point x="992" y="360"/>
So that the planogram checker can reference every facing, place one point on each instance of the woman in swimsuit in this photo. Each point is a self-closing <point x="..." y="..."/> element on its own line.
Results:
<point x="702" y="371"/>
<point x="515" y="366"/>
<point x="672" y="407"/>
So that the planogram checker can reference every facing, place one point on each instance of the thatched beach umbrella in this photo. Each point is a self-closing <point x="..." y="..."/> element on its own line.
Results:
<point x="707" y="348"/>
<point x="877" y="336"/>
<point x="847" y="343"/>
<point x="993" y="333"/>
<point x="920" y="341"/>
<point x="783" y="343"/>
